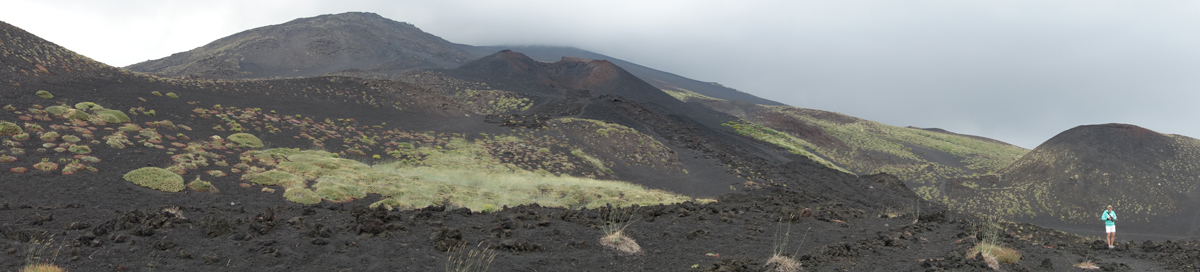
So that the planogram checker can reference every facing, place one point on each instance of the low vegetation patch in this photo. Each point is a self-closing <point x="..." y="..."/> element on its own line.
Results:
<point x="461" y="179"/>
<point x="246" y="140"/>
<point x="793" y="144"/>
<point x="9" y="128"/>
<point x="156" y="178"/>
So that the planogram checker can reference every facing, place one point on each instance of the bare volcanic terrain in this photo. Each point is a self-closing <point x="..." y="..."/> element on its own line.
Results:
<point x="506" y="162"/>
<point x="313" y="46"/>
<point x="1152" y="177"/>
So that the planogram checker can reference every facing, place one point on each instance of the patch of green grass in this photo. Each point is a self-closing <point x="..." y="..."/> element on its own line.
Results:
<point x="275" y="178"/>
<point x="592" y="160"/>
<point x="791" y="143"/>
<point x="113" y="116"/>
<point x="156" y="178"/>
<point x="302" y="196"/>
<point x="87" y="106"/>
<point x="246" y="140"/>
<point x="463" y="176"/>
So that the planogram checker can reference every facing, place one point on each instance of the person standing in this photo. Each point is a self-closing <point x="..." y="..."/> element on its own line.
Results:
<point x="1110" y="225"/>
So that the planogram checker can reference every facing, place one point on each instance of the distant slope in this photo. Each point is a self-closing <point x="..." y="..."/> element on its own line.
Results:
<point x="26" y="55"/>
<point x="660" y="79"/>
<point x="920" y="157"/>
<point x="1152" y="179"/>
<point x="313" y="46"/>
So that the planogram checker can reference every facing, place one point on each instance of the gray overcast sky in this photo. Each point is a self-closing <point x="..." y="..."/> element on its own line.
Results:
<point x="1016" y="71"/>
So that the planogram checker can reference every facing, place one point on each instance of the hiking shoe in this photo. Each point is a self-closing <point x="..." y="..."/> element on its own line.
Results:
<point x="1110" y="247"/>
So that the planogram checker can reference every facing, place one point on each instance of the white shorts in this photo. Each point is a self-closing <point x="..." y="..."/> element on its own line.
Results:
<point x="1110" y="229"/>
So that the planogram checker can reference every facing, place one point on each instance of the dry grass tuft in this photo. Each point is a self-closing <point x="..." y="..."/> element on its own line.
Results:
<point x="783" y="263"/>
<point x="474" y="260"/>
<point x="614" y="230"/>
<point x="1087" y="265"/>
<point x="617" y="240"/>
<point x="994" y="254"/>
<point x="42" y="268"/>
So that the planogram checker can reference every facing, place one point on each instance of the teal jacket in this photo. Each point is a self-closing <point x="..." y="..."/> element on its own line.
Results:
<point x="1109" y="214"/>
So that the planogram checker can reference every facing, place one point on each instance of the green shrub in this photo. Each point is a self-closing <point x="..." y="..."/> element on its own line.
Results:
<point x="78" y="115"/>
<point x="172" y="95"/>
<point x="56" y="110"/>
<point x="156" y="93"/>
<point x="87" y="106"/>
<point x="113" y="116"/>
<point x="9" y="128"/>
<point x="246" y="140"/>
<point x="49" y="136"/>
<point x="156" y="178"/>
<point x="80" y="149"/>
<point x="201" y="186"/>
<point x="71" y="138"/>
<point x="302" y="196"/>
<point x="44" y="94"/>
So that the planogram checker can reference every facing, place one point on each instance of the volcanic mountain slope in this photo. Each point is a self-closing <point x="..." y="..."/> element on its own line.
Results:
<point x="660" y="79"/>
<point x="313" y="46"/>
<point x="1150" y="177"/>
<point x="74" y="193"/>
<point x="922" y="158"/>
<point x="575" y="88"/>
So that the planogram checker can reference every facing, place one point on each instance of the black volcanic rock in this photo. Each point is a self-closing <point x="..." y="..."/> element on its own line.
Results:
<point x="314" y="46"/>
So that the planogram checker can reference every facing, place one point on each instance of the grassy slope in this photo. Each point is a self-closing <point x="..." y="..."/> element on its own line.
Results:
<point x="1072" y="186"/>
<point x="438" y="167"/>
<point x="921" y="158"/>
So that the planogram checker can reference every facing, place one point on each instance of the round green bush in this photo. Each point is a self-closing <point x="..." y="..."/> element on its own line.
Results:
<point x="80" y="149"/>
<point x="113" y="116"/>
<point x="79" y="115"/>
<point x="302" y="196"/>
<point x="9" y="128"/>
<point x="56" y="110"/>
<point x="173" y="95"/>
<point x="44" y="94"/>
<point x="246" y="140"/>
<point x="86" y="105"/>
<point x="156" y="178"/>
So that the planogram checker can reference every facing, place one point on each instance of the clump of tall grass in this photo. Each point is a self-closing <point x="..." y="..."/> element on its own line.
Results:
<point x="989" y="247"/>
<point x="617" y="220"/>
<point x="478" y="259"/>
<point x="779" y="257"/>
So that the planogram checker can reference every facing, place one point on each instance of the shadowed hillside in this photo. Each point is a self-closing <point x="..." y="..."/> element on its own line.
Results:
<point x="313" y="46"/>
<point x="1150" y="177"/>
<point x="659" y="79"/>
